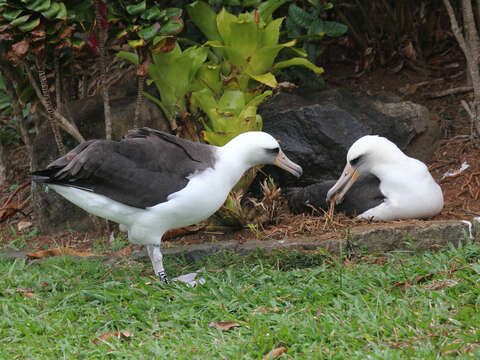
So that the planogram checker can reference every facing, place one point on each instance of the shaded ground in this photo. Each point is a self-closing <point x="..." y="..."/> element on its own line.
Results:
<point x="461" y="192"/>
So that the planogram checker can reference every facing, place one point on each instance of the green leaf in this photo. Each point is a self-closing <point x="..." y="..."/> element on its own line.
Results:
<point x="12" y="14"/>
<point x="267" y="79"/>
<point x="137" y="9"/>
<point x="205" y="19"/>
<point x="272" y="32"/>
<point x="172" y="27"/>
<point x="299" y="16"/>
<point x="20" y="20"/>
<point x="133" y="58"/>
<point x="317" y="27"/>
<point x="52" y="11"/>
<point x="39" y="5"/>
<point x="149" y="32"/>
<point x="136" y="43"/>
<point x="174" y="13"/>
<point x="154" y="13"/>
<point x="232" y="100"/>
<point x="224" y="20"/>
<point x="335" y="29"/>
<point x="62" y="13"/>
<point x="78" y="43"/>
<point x="299" y="62"/>
<point x="267" y="8"/>
<point x="29" y="26"/>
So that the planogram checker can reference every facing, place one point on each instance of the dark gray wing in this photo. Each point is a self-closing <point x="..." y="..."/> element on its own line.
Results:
<point x="363" y="195"/>
<point x="141" y="170"/>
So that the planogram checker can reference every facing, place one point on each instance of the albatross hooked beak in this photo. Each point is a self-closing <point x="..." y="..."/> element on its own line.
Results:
<point x="282" y="161"/>
<point x="343" y="184"/>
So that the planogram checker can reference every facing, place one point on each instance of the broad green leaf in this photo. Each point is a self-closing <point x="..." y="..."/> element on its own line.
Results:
<point x="52" y="11"/>
<point x="208" y="76"/>
<point x="262" y="60"/>
<point x="272" y="32"/>
<point x="39" y="5"/>
<point x="205" y="19"/>
<point x="154" y="13"/>
<point x="224" y="19"/>
<point x="232" y="100"/>
<point x="174" y="13"/>
<point x="243" y="42"/>
<point x="299" y="16"/>
<point x="149" y="32"/>
<point x="20" y="20"/>
<point x="257" y="100"/>
<point x="62" y="13"/>
<point x="335" y="29"/>
<point x="317" y="27"/>
<point x="267" y="8"/>
<point x="133" y="58"/>
<point x="136" y="9"/>
<point x="298" y="62"/>
<point x="12" y="14"/>
<point x="136" y="43"/>
<point x="267" y="79"/>
<point x="29" y="26"/>
<point x="172" y="27"/>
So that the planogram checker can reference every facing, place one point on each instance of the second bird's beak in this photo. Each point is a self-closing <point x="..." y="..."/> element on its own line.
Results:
<point x="343" y="184"/>
<point x="282" y="161"/>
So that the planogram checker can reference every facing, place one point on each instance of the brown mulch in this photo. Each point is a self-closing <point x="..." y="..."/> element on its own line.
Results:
<point x="461" y="192"/>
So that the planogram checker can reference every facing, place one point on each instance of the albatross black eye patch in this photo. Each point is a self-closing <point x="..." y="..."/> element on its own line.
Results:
<point x="354" y="162"/>
<point x="273" y="151"/>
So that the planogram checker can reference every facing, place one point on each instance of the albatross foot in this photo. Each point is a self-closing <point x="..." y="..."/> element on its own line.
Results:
<point x="163" y="276"/>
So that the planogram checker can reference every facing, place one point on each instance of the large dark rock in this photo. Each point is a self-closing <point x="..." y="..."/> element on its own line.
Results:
<point x="53" y="212"/>
<point x="316" y="129"/>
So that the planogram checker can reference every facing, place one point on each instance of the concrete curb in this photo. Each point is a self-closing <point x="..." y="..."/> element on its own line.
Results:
<point x="412" y="236"/>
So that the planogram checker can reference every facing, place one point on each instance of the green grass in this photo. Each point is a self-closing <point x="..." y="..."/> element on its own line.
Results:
<point x="316" y="305"/>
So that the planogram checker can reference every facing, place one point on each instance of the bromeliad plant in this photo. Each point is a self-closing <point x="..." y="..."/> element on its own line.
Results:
<point x="148" y="29"/>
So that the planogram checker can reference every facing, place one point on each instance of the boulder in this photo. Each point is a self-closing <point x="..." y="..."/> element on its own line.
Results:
<point x="53" y="212"/>
<point x="316" y="129"/>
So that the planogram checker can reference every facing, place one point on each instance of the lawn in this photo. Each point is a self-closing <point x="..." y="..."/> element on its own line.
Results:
<point x="316" y="306"/>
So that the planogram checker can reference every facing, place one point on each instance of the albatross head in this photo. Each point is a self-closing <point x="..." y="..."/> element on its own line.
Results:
<point x="258" y="147"/>
<point x="366" y="152"/>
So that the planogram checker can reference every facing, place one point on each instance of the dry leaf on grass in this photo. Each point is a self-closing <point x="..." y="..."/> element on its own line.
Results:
<point x="118" y="334"/>
<point x="57" y="252"/>
<point x="123" y="252"/>
<point x="27" y="292"/>
<point x="440" y="284"/>
<point x="223" y="325"/>
<point x="275" y="353"/>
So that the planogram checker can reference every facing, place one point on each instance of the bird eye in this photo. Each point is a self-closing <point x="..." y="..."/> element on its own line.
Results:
<point x="273" y="150"/>
<point x="355" y="161"/>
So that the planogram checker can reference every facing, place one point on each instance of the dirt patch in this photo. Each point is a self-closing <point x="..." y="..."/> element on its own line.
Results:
<point x="461" y="192"/>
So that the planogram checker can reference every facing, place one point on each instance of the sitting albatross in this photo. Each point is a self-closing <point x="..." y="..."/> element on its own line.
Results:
<point x="390" y="185"/>
<point x="151" y="181"/>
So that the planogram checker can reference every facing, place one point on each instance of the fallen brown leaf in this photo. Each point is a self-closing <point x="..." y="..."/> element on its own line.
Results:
<point x="57" y="252"/>
<point x="123" y="252"/>
<point x="223" y="325"/>
<point x="27" y="292"/>
<point x="275" y="353"/>
<point x="440" y="284"/>
<point x="118" y="334"/>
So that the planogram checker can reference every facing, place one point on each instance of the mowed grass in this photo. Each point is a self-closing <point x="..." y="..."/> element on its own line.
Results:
<point x="396" y="306"/>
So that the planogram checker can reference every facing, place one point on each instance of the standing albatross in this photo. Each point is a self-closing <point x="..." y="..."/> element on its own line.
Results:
<point x="378" y="182"/>
<point x="151" y="181"/>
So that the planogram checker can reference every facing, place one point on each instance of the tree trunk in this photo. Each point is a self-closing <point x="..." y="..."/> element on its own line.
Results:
<point x="17" y="111"/>
<point x="67" y="125"/>
<point x="50" y="109"/>
<point x="138" y="105"/>
<point x="103" y="83"/>
<point x="3" y="165"/>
